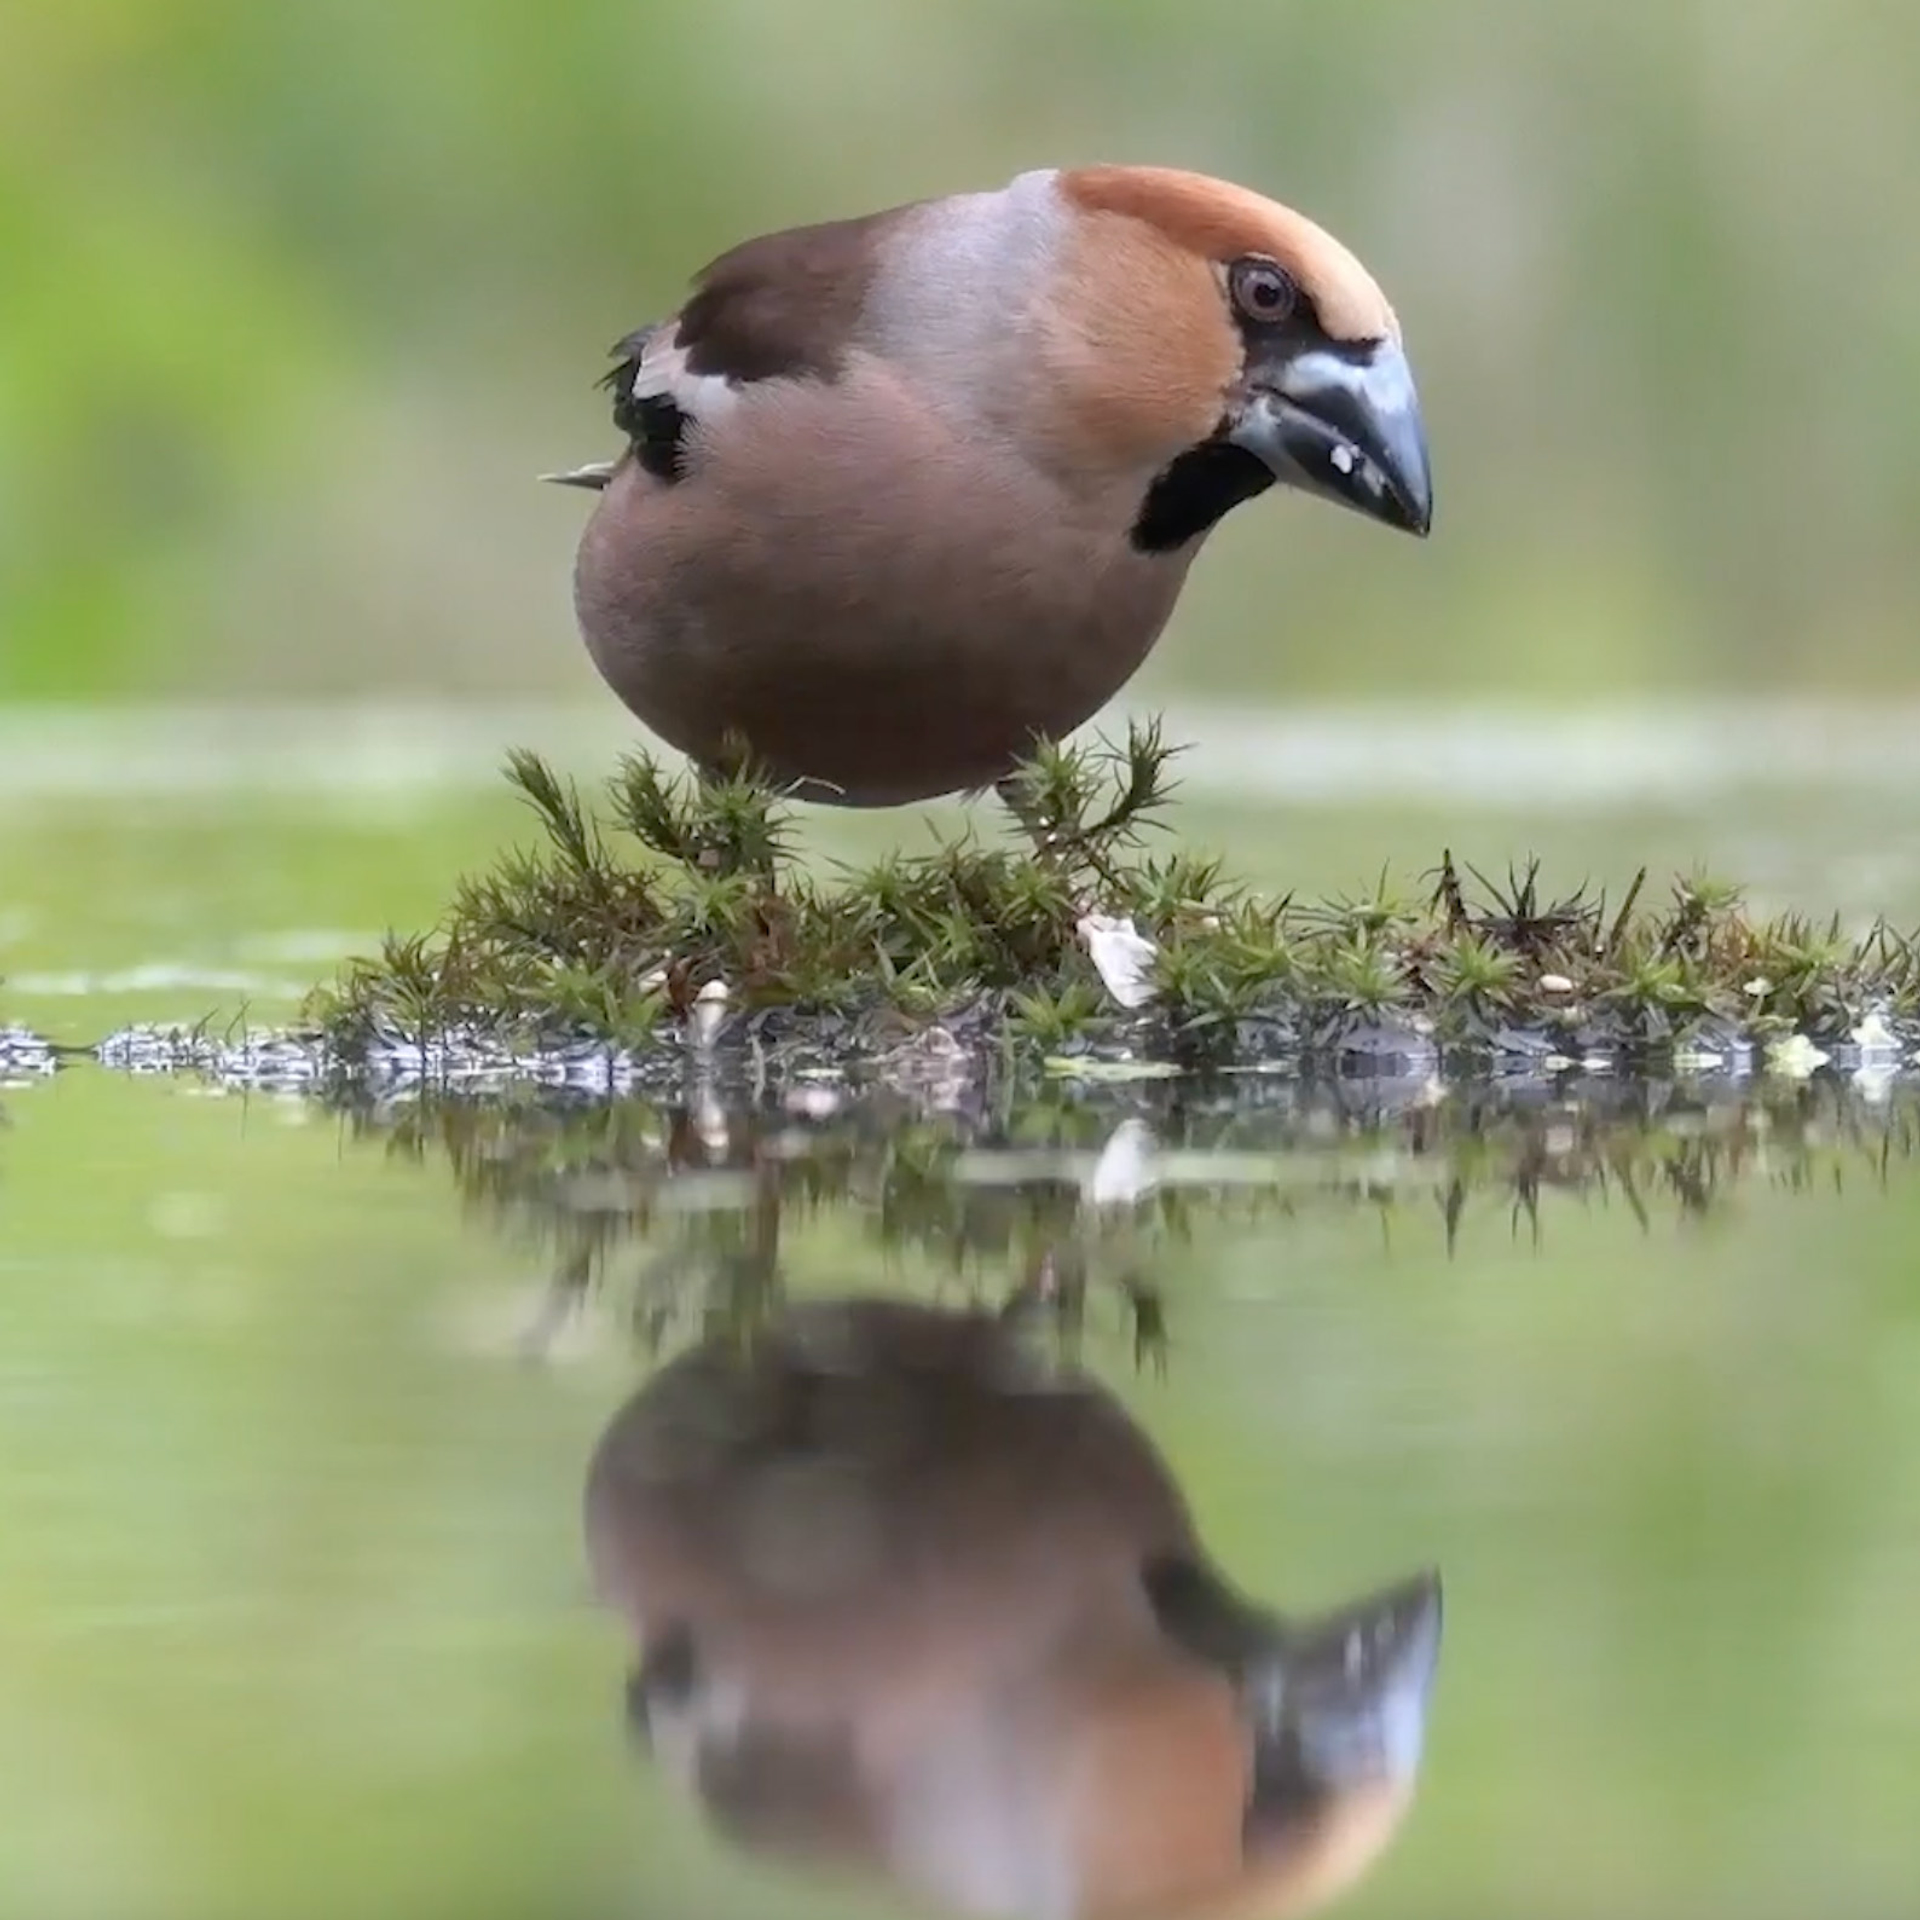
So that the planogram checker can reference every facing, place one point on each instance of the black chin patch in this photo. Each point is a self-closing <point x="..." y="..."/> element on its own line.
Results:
<point x="1194" y="494"/>
<point x="1200" y="1614"/>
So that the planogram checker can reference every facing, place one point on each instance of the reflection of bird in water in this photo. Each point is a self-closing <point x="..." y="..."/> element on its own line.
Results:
<point x="912" y="1598"/>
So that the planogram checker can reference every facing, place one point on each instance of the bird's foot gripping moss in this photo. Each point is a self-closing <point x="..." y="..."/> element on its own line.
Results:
<point x="674" y="919"/>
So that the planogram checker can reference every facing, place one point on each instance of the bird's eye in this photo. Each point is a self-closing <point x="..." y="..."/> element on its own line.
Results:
<point x="1262" y="291"/>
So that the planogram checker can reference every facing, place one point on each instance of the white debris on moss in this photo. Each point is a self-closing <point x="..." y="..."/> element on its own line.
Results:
<point x="1122" y="956"/>
<point x="1795" y="1057"/>
<point x="270" y="1061"/>
<point x="1878" y="1043"/>
<point x="467" y="1059"/>
<point x="1884" y="1043"/>
<point x="472" y="1060"/>
<point x="24" y="1055"/>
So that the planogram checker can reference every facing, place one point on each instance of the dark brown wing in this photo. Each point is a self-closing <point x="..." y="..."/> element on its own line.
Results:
<point x="783" y="305"/>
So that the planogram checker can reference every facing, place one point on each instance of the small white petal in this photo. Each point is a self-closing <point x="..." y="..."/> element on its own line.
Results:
<point x="1874" y="1034"/>
<point x="1122" y="955"/>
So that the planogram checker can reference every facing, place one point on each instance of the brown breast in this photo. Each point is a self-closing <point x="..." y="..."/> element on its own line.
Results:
<point x="875" y="603"/>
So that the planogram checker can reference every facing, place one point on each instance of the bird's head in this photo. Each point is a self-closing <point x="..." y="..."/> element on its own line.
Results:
<point x="1334" y="1711"/>
<point x="1241" y="341"/>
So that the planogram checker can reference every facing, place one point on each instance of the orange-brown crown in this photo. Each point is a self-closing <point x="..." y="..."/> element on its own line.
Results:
<point x="1218" y="221"/>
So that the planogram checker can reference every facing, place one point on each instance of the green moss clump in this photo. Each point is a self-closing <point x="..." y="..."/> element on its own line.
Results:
<point x="607" y="932"/>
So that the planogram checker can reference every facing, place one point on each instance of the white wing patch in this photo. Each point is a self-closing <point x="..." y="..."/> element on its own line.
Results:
<point x="662" y="373"/>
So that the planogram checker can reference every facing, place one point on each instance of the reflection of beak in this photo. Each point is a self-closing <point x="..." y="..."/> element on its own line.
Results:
<point x="1343" y="423"/>
<point x="1345" y="1697"/>
<point x="1337" y="1703"/>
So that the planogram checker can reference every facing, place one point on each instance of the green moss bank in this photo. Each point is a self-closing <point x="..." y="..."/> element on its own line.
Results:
<point x="671" y="921"/>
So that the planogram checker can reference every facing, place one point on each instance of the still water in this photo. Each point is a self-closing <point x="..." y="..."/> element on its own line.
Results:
<point x="910" y="1502"/>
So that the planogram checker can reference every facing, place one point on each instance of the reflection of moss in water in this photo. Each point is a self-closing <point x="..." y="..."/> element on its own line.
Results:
<point x="1052" y="1205"/>
<point x="581" y="942"/>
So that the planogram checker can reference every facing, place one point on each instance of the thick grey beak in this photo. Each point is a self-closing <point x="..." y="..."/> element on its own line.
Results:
<point x="1346" y="1695"/>
<point x="1344" y="423"/>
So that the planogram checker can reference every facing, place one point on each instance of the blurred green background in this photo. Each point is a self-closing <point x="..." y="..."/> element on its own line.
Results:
<point x="299" y="300"/>
<point x="296" y="301"/>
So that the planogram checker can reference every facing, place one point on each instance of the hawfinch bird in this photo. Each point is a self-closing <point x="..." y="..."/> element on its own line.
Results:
<point x="903" y="493"/>
<point x="911" y="1601"/>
